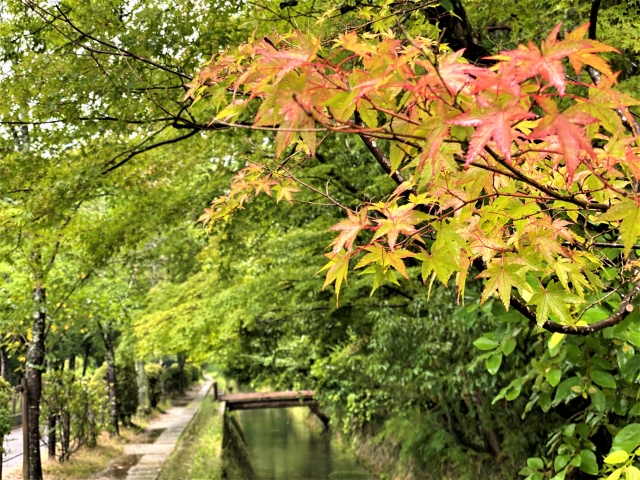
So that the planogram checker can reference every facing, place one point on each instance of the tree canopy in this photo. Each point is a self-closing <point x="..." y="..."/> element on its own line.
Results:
<point x="427" y="211"/>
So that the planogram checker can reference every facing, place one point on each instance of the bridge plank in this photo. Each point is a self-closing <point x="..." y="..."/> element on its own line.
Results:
<point x="265" y="397"/>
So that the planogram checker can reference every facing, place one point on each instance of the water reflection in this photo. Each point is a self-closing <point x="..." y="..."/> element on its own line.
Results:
<point x="287" y="444"/>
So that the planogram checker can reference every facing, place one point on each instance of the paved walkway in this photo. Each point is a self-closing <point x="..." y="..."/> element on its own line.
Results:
<point x="172" y="424"/>
<point x="13" y="449"/>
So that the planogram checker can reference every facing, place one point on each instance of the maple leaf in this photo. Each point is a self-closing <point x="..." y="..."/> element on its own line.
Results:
<point x="584" y="53"/>
<point x="491" y="122"/>
<point x="455" y="72"/>
<point x="503" y="276"/>
<point x="553" y="300"/>
<point x="263" y="185"/>
<point x="546" y="61"/>
<point x="440" y="263"/>
<point x="349" y="230"/>
<point x="285" y="191"/>
<point x="568" y="270"/>
<point x="400" y="220"/>
<point x="380" y="274"/>
<point x="385" y="258"/>
<point x="530" y="61"/>
<point x="628" y="211"/>
<point x="564" y="125"/>
<point x="338" y="267"/>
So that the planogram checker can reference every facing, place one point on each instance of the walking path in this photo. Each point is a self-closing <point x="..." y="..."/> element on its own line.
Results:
<point x="172" y="423"/>
<point x="13" y="449"/>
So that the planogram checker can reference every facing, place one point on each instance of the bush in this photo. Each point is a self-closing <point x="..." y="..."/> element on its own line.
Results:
<point x="80" y="407"/>
<point x="5" y="410"/>
<point x="154" y="378"/>
<point x="126" y="389"/>
<point x="171" y="380"/>
<point x="192" y="373"/>
<point x="175" y="382"/>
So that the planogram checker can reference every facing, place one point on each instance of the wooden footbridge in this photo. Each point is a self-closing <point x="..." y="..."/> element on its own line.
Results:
<point x="250" y="401"/>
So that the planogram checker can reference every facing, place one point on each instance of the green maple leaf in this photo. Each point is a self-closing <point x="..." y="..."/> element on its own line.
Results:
<point x="285" y="191"/>
<point x="628" y="211"/>
<point x="566" y="270"/>
<point x="385" y="258"/>
<point x="503" y="277"/>
<point x="380" y="274"/>
<point x="554" y="299"/>
<point x="338" y="267"/>
<point x="440" y="263"/>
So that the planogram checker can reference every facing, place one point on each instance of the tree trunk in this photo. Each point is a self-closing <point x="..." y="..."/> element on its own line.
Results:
<point x="111" y="381"/>
<point x="144" y="404"/>
<point x="183" y="384"/>
<point x="3" y="365"/>
<point x="72" y="362"/>
<point x="34" y="365"/>
<point x="65" y="420"/>
<point x="85" y="360"/>
<point x="51" y="436"/>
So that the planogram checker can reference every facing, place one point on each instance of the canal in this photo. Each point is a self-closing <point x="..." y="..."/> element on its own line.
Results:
<point x="289" y="444"/>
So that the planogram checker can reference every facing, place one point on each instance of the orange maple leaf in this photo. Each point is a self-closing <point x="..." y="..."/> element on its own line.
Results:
<point x="400" y="220"/>
<point x="349" y="230"/>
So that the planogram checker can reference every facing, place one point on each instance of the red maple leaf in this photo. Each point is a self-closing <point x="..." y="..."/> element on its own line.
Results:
<point x="571" y="137"/>
<point x="491" y="122"/>
<point x="452" y="70"/>
<point x="546" y="61"/>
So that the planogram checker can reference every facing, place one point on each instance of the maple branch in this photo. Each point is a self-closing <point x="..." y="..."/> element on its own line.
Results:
<point x="593" y="19"/>
<point x="146" y="149"/>
<point x="599" y="245"/>
<point x="624" y="310"/>
<point x="381" y="158"/>
<point x="552" y="193"/>
<point x="313" y="189"/>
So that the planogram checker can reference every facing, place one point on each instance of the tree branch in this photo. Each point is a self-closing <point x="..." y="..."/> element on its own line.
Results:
<point x="625" y="309"/>
<point x="146" y="149"/>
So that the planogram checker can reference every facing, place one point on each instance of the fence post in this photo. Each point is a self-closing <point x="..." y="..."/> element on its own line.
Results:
<point x="13" y="402"/>
<point x="215" y="390"/>
<point x="25" y="429"/>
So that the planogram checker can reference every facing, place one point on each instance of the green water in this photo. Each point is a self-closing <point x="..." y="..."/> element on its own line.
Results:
<point x="286" y="444"/>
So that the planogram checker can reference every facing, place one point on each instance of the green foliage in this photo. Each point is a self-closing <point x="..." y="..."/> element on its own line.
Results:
<point x="79" y="406"/>
<point x="5" y="410"/>
<point x="154" y="377"/>
<point x="126" y="390"/>
<point x="451" y="384"/>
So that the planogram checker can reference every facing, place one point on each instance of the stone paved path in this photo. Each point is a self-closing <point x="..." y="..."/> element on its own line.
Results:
<point x="173" y="423"/>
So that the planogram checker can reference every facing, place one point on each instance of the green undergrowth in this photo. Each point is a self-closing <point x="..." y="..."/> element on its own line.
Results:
<point x="199" y="453"/>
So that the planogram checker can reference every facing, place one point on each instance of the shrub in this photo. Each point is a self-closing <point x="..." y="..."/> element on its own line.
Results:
<point x="5" y="411"/>
<point x="171" y="380"/>
<point x="154" y="377"/>
<point x="80" y="407"/>
<point x="194" y="374"/>
<point x="126" y="389"/>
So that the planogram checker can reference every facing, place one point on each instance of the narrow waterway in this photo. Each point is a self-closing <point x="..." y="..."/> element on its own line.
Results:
<point x="288" y="444"/>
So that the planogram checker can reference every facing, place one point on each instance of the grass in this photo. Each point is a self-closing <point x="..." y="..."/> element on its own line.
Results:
<point x="199" y="454"/>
